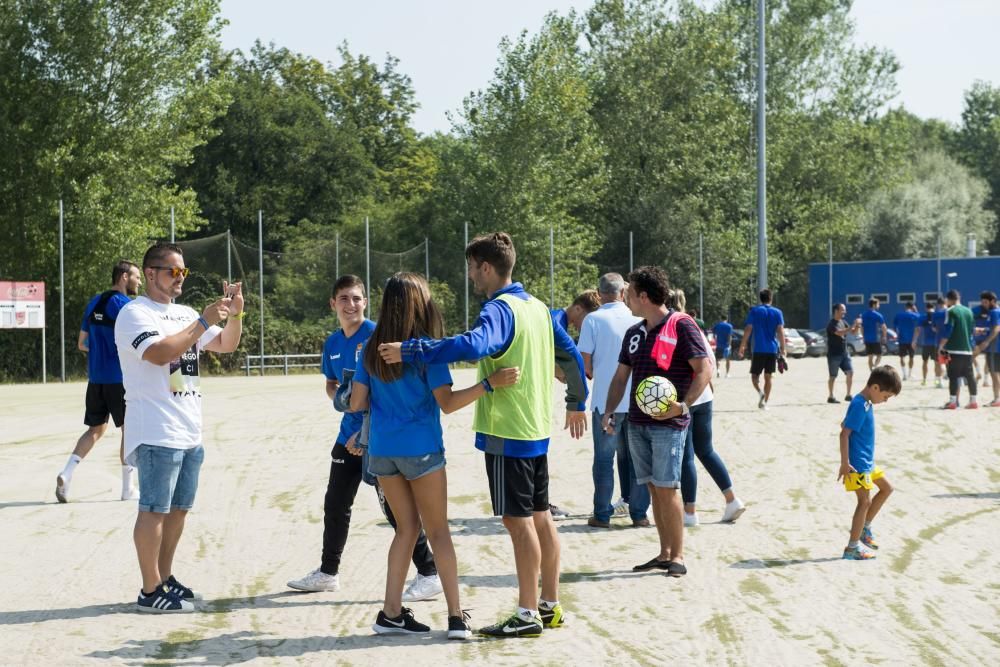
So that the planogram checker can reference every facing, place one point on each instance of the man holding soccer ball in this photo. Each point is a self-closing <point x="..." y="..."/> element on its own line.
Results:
<point x="666" y="357"/>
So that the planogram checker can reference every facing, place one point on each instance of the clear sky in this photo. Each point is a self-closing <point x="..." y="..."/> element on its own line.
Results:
<point x="449" y="47"/>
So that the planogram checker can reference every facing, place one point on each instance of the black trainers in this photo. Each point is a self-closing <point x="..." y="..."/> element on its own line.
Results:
<point x="181" y="590"/>
<point x="163" y="601"/>
<point x="514" y="626"/>
<point x="552" y="618"/>
<point x="831" y="399"/>
<point x="652" y="564"/>
<point x="458" y="626"/>
<point x="404" y="624"/>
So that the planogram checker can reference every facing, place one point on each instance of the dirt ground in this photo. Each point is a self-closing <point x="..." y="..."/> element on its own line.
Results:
<point x="768" y="590"/>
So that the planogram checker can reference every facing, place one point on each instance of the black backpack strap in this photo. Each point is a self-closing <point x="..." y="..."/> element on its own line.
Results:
<point x="98" y="316"/>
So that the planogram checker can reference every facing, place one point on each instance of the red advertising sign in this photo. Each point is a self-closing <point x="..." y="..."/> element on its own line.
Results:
<point x="22" y="305"/>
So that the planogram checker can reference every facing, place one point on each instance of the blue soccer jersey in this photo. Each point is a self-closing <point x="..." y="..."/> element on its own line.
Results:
<point x="861" y="420"/>
<point x="406" y="419"/>
<point x="765" y="320"/>
<point x="723" y="334"/>
<point x="872" y="322"/>
<point x="927" y="329"/>
<point x="103" y="366"/>
<point x="342" y="353"/>
<point x="905" y="324"/>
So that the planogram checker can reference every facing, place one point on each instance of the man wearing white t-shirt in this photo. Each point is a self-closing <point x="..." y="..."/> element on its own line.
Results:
<point x="158" y="345"/>
<point x="600" y="340"/>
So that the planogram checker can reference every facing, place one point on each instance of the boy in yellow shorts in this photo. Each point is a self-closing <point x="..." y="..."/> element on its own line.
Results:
<point x="857" y="459"/>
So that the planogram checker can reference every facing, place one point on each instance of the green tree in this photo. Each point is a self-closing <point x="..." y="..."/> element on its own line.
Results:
<point x="977" y="143"/>
<point x="99" y="102"/>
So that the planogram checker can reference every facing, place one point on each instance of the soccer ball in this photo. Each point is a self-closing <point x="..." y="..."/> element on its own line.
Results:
<point x="653" y="395"/>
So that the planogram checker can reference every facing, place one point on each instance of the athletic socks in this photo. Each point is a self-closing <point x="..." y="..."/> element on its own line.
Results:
<point x="527" y="614"/>
<point x="71" y="464"/>
<point x="854" y="544"/>
<point x="545" y="604"/>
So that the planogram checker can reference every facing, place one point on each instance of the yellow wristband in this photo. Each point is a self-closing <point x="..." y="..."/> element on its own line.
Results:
<point x="239" y="315"/>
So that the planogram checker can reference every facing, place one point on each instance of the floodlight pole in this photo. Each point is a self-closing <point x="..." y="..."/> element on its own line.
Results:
<point x="336" y="256"/>
<point x="701" y="275"/>
<point x="829" y="263"/>
<point x="552" y="266"/>
<point x="260" y="268"/>
<point x="939" y="264"/>
<point x="631" y="264"/>
<point x="466" y="277"/>
<point x="368" y="268"/>
<point x="427" y="259"/>
<point x="761" y="152"/>
<point x="62" y="298"/>
<point x="229" y="255"/>
<point x="171" y="224"/>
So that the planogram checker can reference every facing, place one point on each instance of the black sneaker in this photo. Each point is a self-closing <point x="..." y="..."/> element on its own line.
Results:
<point x="404" y="624"/>
<point x="831" y="399"/>
<point x="675" y="569"/>
<point x="458" y="626"/>
<point x="552" y="618"/>
<point x="652" y="564"/>
<point x="181" y="590"/>
<point x="514" y="626"/>
<point x="163" y="601"/>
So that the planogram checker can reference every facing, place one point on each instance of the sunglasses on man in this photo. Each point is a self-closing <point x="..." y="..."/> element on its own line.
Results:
<point x="175" y="271"/>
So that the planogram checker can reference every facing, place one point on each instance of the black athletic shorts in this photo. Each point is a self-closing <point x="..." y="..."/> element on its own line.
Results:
<point x="906" y="349"/>
<point x="992" y="361"/>
<point x="763" y="363"/>
<point x="873" y="349"/>
<point x="518" y="487"/>
<point x="104" y="400"/>
<point x="928" y="352"/>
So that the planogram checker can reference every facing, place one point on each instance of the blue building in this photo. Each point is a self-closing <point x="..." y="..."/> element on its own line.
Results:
<point x="894" y="282"/>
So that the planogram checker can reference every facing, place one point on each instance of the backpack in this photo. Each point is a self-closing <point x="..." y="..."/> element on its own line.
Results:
<point x="98" y="316"/>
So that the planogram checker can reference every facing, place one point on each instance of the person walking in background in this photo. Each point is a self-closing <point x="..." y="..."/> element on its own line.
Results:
<point x="105" y="391"/>
<point x="874" y="332"/>
<point x="957" y="343"/>
<point x="159" y="342"/>
<point x="989" y="345"/>
<point x="406" y="444"/>
<point x="928" y="344"/>
<point x="723" y="331"/>
<point x="941" y="331"/>
<point x="837" y="358"/>
<point x="906" y="324"/>
<point x="600" y="340"/>
<point x="341" y="355"/>
<point x="983" y="337"/>
<point x="766" y="325"/>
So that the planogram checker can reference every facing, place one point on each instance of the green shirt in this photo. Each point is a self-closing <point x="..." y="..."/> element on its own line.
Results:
<point x="961" y="321"/>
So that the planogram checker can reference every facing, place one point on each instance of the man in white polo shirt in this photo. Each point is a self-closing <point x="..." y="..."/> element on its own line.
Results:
<point x="158" y="345"/>
<point x="600" y="341"/>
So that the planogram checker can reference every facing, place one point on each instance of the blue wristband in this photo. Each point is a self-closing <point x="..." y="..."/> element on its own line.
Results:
<point x="204" y="322"/>
<point x="487" y="386"/>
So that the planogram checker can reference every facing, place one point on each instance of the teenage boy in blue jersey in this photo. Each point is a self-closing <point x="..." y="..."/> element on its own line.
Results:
<point x="105" y="391"/>
<point x="723" y="335"/>
<point x="926" y="339"/>
<point x="905" y="324"/>
<point x="767" y="326"/>
<point x="941" y="332"/>
<point x="988" y="339"/>
<point x="513" y="427"/>
<point x="874" y="333"/>
<point x="340" y="358"/>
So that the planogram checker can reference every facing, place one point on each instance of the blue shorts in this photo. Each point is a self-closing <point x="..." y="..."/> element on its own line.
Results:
<point x="410" y="467"/>
<point x="657" y="453"/>
<point x="839" y="362"/>
<point x="168" y="478"/>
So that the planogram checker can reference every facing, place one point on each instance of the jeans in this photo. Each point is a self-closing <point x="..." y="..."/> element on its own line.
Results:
<point x="168" y="478"/>
<point x="606" y="449"/>
<point x="342" y="487"/>
<point x="657" y="453"/>
<point x="699" y="443"/>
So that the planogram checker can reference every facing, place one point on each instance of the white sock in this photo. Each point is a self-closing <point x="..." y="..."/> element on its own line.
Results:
<point x="70" y="466"/>
<point x="127" y="479"/>
<point x="547" y="604"/>
<point x="954" y="399"/>
<point x="527" y="614"/>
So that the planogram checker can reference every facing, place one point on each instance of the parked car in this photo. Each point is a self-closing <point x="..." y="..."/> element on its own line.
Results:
<point x="815" y="343"/>
<point x="891" y="343"/>
<point x="795" y="344"/>
<point x="734" y="345"/>
<point x="854" y="344"/>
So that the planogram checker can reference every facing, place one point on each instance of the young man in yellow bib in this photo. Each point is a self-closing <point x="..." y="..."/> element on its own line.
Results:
<point x="513" y="424"/>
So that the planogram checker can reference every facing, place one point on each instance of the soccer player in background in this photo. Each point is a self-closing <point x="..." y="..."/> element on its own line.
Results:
<point x="723" y="331"/>
<point x="905" y="323"/>
<point x="957" y="343"/>
<point x="989" y="344"/>
<point x="874" y="333"/>
<point x="928" y="347"/>
<point x="766" y="325"/>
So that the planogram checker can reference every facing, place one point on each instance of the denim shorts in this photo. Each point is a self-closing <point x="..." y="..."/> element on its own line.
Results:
<point x="410" y="467"/>
<point x="839" y="362"/>
<point x="657" y="453"/>
<point x="168" y="478"/>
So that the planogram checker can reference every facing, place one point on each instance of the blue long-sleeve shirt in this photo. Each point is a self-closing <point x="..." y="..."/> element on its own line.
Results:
<point x="493" y="333"/>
